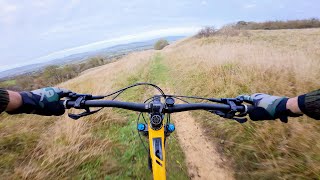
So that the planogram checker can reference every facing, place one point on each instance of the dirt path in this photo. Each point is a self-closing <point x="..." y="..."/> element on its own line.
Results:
<point x="203" y="161"/>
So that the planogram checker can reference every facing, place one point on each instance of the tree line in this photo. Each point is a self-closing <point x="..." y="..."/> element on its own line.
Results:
<point x="272" y="25"/>
<point x="52" y="75"/>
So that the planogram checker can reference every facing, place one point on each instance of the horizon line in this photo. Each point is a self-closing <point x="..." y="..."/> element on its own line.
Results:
<point x="98" y="45"/>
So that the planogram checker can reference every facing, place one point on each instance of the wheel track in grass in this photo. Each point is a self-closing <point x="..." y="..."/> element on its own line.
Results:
<point x="202" y="158"/>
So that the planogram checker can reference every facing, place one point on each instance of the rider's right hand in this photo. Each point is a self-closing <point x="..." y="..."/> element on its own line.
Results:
<point x="268" y="107"/>
<point x="45" y="101"/>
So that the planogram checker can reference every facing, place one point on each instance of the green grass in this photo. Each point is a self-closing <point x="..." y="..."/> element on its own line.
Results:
<point x="13" y="148"/>
<point x="8" y="83"/>
<point x="158" y="70"/>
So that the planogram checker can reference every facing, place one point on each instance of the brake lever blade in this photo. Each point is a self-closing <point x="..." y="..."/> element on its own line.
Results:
<point x="216" y="112"/>
<point x="86" y="113"/>
<point x="240" y="120"/>
<point x="227" y="116"/>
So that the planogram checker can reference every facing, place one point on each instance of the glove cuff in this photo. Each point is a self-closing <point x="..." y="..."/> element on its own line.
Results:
<point x="309" y="104"/>
<point x="4" y="100"/>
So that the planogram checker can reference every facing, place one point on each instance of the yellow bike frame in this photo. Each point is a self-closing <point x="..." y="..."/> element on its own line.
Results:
<point x="157" y="152"/>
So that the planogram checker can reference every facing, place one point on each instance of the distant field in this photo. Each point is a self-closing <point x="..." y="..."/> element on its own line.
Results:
<point x="106" y="146"/>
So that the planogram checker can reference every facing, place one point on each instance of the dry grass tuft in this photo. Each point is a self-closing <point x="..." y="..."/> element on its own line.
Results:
<point x="62" y="150"/>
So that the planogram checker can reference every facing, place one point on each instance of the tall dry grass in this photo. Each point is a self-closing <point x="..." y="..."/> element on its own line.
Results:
<point x="284" y="63"/>
<point x="61" y="147"/>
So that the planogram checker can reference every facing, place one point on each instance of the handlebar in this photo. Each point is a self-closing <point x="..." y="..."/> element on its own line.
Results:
<point x="145" y="107"/>
<point x="230" y="108"/>
<point x="141" y="107"/>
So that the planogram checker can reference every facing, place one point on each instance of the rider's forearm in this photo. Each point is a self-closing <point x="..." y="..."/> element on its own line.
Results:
<point x="9" y="100"/>
<point x="308" y="104"/>
<point x="292" y="105"/>
<point x="15" y="101"/>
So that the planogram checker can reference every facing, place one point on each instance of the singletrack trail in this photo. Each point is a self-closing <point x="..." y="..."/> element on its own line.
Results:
<point x="203" y="160"/>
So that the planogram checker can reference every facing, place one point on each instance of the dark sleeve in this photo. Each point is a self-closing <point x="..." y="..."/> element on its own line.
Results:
<point x="4" y="100"/>
<point x="309" y="104"/>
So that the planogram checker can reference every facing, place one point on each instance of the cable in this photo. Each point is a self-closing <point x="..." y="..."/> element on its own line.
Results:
<point x="182" y="100"/>
<point x="144" y="119"/>
<point x="168" y="118"/>
<point x="196" y="97"/>
<point x="145" y="147"/>
<point x="148" y="99"/>
<point x="134" y="85"/>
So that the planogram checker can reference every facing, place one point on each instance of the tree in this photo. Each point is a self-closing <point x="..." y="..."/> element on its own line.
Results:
<point x="160" y="44"/>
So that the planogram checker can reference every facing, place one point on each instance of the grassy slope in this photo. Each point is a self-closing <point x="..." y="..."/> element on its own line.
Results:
<point x="103" y="146"/>
<point x="7" y="83"/>
<point x="284" y="62"/>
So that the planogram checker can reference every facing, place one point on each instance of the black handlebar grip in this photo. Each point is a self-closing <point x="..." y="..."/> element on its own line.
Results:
<point x="249" y="108"/>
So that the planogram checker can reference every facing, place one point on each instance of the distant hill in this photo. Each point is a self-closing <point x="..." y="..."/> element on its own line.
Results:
<point x="108" y="52"/>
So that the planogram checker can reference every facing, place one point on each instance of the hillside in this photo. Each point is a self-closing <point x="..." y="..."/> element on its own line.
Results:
<point x="106" y="146"/>
<point x="108" y="52"/>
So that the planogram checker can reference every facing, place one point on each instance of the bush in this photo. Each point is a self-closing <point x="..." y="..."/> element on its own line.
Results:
<point x="160" y="44"/>
<point x="206" y="32"/>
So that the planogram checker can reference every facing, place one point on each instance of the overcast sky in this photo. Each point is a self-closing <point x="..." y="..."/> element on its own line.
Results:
<point x="36" y="30"/>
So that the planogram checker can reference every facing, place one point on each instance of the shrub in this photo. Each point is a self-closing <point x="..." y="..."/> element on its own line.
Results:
<point x="160" y="44"/>
<point x="206" y="32"/>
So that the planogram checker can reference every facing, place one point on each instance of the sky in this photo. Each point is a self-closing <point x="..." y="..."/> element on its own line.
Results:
<point x="39" y="30"/>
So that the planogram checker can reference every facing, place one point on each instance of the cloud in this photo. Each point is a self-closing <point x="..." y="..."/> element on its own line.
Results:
<point x="41" y="3"/>
<point x="72" y="27"/>
<point x="72" y="4"/>
<point x="7" y="12"/>
<point x="6" y="7"/>
<point x="204" y="3"/>
<point x="249" y="6"/>
<point x="119" y="40"/>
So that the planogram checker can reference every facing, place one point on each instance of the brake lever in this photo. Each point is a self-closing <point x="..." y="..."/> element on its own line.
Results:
<point x="86" y="113"/>
<point x="79" y="102"/>
<point x="229" y="116"/>
<point x="232" y="102"/>
<point x="240" y="120"/>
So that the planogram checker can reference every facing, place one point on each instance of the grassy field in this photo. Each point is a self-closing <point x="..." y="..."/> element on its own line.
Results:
<point x="284" y="63"/>
<point x="103" y="146"/>
<point x="106" y="145"/>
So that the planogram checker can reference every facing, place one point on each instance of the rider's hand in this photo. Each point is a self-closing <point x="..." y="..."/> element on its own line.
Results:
<point x="44" y="101"/>
<point x="267" y="107"/>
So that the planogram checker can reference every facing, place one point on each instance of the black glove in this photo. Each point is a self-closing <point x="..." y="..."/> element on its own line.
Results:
<point x="44" y="102"/>
<point x="267" y="107"/>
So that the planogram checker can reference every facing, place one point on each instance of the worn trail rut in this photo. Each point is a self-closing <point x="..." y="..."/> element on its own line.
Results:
<point x="203" y="160"/>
